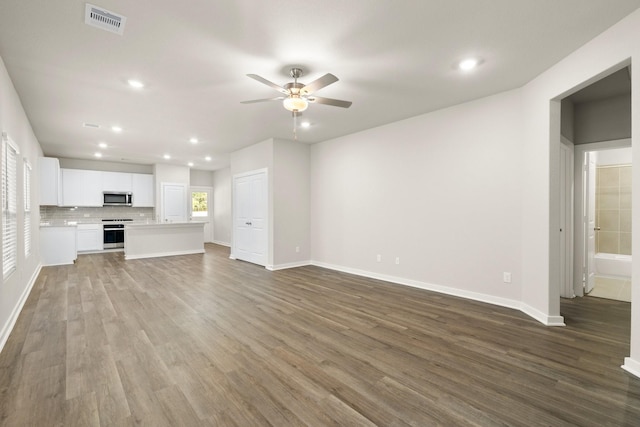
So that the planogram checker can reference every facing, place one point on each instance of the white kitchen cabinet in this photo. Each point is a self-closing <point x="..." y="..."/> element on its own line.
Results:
<point x="81" y="187"/>
<point x="49" y="170"/>
<point x="89" y="237"/>
<point x="58" y="245"/>
<point x="143" y="190"/>
<point x="116" y="181"/>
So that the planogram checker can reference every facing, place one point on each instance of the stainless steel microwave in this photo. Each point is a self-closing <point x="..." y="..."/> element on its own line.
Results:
<point x="114" y="198"/>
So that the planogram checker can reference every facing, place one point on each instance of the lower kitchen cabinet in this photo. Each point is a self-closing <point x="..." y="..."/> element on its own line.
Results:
<point x="90" y="237"/>
<point x="58" y="245"/>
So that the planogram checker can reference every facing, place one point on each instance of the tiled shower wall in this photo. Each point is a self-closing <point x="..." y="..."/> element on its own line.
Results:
<point x="613" y="209"/>
<point x="89" y="215"/>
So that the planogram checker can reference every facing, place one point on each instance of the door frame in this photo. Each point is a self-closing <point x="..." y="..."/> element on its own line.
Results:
<point x="566" y="218"/>
<point x="209" y="191"/>
<point x="267" y="217"/>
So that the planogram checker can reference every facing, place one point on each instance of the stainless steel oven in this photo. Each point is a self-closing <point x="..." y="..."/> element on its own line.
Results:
<point x="113" y="233"/>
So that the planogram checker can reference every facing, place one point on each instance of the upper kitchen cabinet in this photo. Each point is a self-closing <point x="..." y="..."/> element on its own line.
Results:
<point x="49" y="169"/>
<point x="142" y="190"/>
<point x="117" y="182"/>
<point x="81" y="187"/>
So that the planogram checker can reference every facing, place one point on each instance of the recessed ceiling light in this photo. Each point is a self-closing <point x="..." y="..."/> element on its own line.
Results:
<point x="468" y="64"/>
<point x="102" y="145"/>
<point x="116" y="129"/>
<point x="98" y="154"/>
<point x="190" y="164"/>
<point x="208" y="158"/>
<point x="136" y="84"/>
<point x="193" y="140"/>
<point x="305" y="124"/>
<point x="166" y="157"/>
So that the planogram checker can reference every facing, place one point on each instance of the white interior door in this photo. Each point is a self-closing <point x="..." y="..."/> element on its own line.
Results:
<point x="250" y="231"/>
<point x="174" y="202"/>
<point x="590" y="220"/>
<point x="202" y="209"/>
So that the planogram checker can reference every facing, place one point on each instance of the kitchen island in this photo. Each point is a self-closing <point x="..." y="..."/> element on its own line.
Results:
<point x="163" y="239"/>
<point x="58" y="244"/>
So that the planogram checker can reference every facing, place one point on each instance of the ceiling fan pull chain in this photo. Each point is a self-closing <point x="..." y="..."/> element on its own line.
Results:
<point x="295" y="127"/>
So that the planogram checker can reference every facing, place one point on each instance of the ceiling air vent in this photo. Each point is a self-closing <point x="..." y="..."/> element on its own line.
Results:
<point x="104" y="19"/>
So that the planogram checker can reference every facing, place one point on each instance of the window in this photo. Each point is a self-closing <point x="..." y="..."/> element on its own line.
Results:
<point x="199" y="204"/>
<point x="9" y="206"/>
<point x="27" y="208"/>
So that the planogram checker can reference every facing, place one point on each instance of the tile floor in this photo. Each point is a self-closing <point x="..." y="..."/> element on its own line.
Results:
<point x="612" y="288"/>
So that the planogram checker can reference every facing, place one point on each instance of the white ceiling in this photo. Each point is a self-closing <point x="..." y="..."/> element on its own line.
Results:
<point x="395" y="59"/>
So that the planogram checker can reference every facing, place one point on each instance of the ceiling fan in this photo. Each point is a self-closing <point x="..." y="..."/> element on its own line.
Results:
<point x="298" y="95"/>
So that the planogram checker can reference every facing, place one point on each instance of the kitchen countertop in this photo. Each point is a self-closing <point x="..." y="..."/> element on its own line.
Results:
<point x="67" y="223"/>
<point x="162" y="225"/>
<point x="58" y="224"/>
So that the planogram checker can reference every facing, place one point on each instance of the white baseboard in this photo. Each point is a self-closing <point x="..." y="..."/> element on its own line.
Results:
<point x="631" y="366"/>
<point x="11" y="322"/>
<point x="475" y="296"/>
<point x="221" y="243"/>
<point x="161" y="254"/>
<point x="541" y="317"/>
<point x="288" y="265"/>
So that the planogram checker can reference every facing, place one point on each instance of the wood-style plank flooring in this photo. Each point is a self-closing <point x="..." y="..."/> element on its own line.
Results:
<point x="202" y="340"/>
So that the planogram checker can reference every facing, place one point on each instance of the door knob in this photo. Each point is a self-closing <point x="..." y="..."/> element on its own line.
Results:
<point x="247" y="223"/>
<point x="596" y="229"/>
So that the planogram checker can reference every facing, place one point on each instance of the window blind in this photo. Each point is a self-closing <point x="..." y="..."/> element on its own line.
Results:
<point x="9" y="206"/>
<point x="27" y="208"/>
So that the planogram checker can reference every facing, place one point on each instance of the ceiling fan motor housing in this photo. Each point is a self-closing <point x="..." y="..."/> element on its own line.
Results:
<point x="294" y="87"/>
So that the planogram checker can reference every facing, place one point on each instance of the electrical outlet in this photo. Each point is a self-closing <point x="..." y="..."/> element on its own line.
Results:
<point x="297" y="249"/>
<point x="506" y="277"/>
<point x="397" y="260"/>
<point x="379" y="258"/>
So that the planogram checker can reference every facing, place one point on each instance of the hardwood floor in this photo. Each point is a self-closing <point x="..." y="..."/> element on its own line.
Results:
<point x="204" y="340"/>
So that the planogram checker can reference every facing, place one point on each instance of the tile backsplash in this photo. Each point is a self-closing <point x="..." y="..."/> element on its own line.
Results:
<point x="89" y="215"/>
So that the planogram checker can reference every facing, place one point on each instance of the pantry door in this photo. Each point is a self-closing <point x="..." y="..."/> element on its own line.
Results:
<point x="250" y="224"/>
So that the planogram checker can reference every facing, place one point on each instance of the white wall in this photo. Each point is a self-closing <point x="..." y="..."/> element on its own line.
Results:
<point x="200" y="178"/>
<point x="14" y="122"/>
<point x="222" y="207"/>
<point x="440" y="191"/>
<point x="291" y="220"/>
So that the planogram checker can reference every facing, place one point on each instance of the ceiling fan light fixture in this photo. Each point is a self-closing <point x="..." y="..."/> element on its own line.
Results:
<point x="295" y="103"/>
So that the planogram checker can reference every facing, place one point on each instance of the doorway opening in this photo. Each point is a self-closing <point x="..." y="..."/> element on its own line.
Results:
<point x="596" y="126"/>
<point x="609" y="274"/>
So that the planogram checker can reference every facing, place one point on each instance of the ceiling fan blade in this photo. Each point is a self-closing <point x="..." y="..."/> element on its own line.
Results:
<point x="330" y="101"/>
<point x="253" y="101"/>
<point x="268" y="83"/>
<point x="318" y="84"/>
